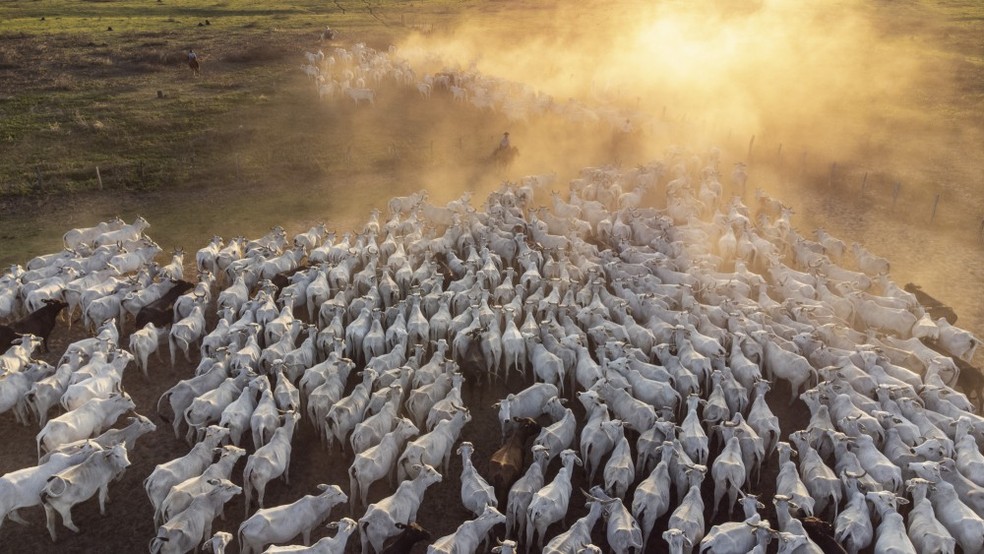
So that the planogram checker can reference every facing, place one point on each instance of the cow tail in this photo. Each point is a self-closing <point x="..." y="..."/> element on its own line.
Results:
<point x="40" y="439"/>
<point x="364" y="534"/>
<point x="239" y="534"/>
<point x="167" y="394"/>
<point x="247" y="488"/>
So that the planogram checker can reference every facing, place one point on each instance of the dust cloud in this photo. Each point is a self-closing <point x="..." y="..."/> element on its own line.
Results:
<point x="818" y="97"/>
<point x="837" y="80"/>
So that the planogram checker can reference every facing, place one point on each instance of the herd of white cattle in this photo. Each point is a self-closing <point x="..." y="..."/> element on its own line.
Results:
<point x="359" y="72"/>
<point x="669" y="324"/>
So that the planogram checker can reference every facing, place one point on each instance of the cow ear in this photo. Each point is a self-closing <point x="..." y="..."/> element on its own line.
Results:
<point x="400" y="525"/>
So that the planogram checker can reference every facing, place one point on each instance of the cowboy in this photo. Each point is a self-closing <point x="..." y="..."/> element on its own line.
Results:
<point x="504" y="143"/>
<point x="193" y="62"/>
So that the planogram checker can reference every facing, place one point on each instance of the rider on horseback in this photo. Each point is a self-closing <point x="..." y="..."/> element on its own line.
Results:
<point x="504" y="143"/>
<point x="193" y="61"/>
<point x="504" y="153"/>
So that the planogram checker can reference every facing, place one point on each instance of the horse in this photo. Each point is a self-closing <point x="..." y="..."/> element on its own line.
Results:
<point x="504" y="156"/>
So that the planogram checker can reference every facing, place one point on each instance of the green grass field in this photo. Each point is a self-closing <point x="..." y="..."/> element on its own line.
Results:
<point x="75" y="95"/>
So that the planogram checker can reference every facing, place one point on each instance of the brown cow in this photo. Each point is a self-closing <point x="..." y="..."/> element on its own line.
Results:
<point x="508" y="462"/>
<point x="39" y="323"/>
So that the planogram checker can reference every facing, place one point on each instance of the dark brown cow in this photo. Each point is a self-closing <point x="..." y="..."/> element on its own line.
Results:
<point x="411" y="534"/>
<point x="38" y="323"/>
<point x="7" y="338"/>
<point x="507" y="463"/>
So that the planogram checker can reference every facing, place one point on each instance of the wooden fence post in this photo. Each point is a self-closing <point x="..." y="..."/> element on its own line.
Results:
<point x="936" y="203"/>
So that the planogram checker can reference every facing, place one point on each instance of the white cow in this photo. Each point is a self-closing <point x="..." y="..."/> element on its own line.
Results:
<point x="890" y="534"/>
<point x="530" y="402"/>
<point x="549" y="504"/>
<point x="22" y="488"/>
<point x="433" y="448"/>
<point x="207" y="408"/>
<point x="282" y="523"/>
<point x="361" y="94"/>
<point x="217" y="544"/>
<point x="143" y="343"/>
<point x="469" y="535"/>
<point x="76" y="237"/>
<point x="88" y="420"/>
<point x="689" y="514"/>
<point x="270" y="461"/>
<point x="187" y="332"/>
<point x="127" y="232"/>
<point x="560" y="435"/>
<point x="328" y="545"/>
<point x="181" y="495"/>
<point x="186" y="530"/>
<point x="137" y="427"/>
<point x="619" y="472"/>
<point x="14" y="387"/>
<point x="372" y="429"/>
<point x="925" y="530"/>
<point x="577" y="538"/>
<point x="651" y="498"/>
<point x="47" y="391"/>
<point x="265" y="419"/>
<point x="957" y="341"/>
<point x="377" y="462"/>
<point x="17" y="357"/>
<point x="521" y="493"/>
<point x="962" y="523"/>
<point x="476" y="492"/>
<point x="182" y="394"/>
<point x="623" y="532"/>
<point x="206" y="258"/>
<point x="99" y="386"/>
<point x="237" y="415"/>
<point x="158" y="484"/>
<point x="380" y="520"/>
<point x="77" y="484"/>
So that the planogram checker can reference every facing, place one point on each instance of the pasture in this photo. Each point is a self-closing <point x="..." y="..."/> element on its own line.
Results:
<point x="249" y="145"/>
